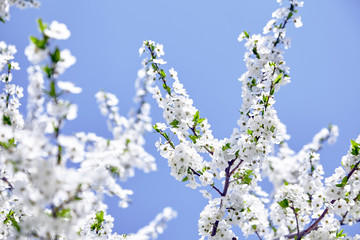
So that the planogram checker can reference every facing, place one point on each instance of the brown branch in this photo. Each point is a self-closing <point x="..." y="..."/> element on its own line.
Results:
<point x="226" y="186"/>
<point x="198" y="174"/>
<point x="315" y="224"/>
<point x="257" y="234"/>
<point x="296" y="218"/>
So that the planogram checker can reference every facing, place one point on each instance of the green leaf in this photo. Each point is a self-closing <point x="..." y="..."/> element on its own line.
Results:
<point x="284" y="203"/>
<point x="156" y="128"/>
<point x="272" y="91"/>
<point x="49" y="71"/>
<point x="154" y="66"/>
<point x="6" y="120"/>
<point x="167" y="88"/>
<point x="97" y="225"/>
<point x="201" y="120"/>
<point x="64" y="213"/>
<point x="185" y="179"/>
<point x="52" y="92"/>
<point x="265" y="98"/>
<point x="278" y="79"/>
<point x="174" y="123"/>
<point x="355" y="148"/>
<point x="290" y="15"/>
<point x="38" y="43"/>
<point x="286" y="183"/>
<point x="42" y="26"/>
<point x="272" y="129"/>
<point x="247" y="177"/>
<point x="246" y="34"/>
<point x="55" y="57"/>
<point x="256" y="53"/>
<point x="196" y="117"/>
<point x="340" y="234"/>
<point x="11" y="218"/>
<point x="226" y="146"/>
<point x="100" y="216"/>
<point x="250" y="132"/>
<point x="9" y="144"/>
<point x="253" y="82"/>
<point x="162" y="73"/>
<point x="344" y="180"/>
<point x="114" y="170"/>
<point x="166" y="136"/>
<point x="193" y="138"/>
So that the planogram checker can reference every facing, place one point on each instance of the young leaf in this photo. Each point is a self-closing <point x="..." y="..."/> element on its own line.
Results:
<point x="6" y="120"/>
<point x="55" y="57"/>
<point x="52" y="91"/>
<point x="278" y="79"/>
<point x="49" y="71"/>
<point x="64" y="213"/>
<point x="156" y="128"/>
<point x="226" y="146"/>
<point x="162" y="74"/>
<point x="174" y="123"/>
<point x="355" y="148"/>
<point x="284" y="203"/>
<point x="256" y="53"/>
<point x="196" y="117"/>
<point x="246" y="34"/>
<point x="193" y="138"/>
<point x="42" y="26"/>
<point x="38" y="43"/>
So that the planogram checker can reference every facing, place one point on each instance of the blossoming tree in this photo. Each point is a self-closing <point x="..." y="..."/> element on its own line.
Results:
<point x="39" y="203"/>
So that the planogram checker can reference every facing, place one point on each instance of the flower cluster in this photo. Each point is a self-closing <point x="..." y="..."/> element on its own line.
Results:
<point x="6" y="4"/>
<point x="37" y="201"/>
<point x="303" y="204"/>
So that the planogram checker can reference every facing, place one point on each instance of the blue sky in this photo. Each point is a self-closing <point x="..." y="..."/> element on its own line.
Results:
<point x="200" y="42"/>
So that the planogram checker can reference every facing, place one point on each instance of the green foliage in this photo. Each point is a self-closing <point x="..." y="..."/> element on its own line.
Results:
<point x="9" y="144"/>
<point x="55" y="57"/>
<point x="64" y="213"/>
<point x="343" y="182"/>
<point x="6" y="120"/>
<point x="42" y="26"/>
<point x="256" y="52"/>
<point x="174" y="123"/>
<point x="340" y="234"/>
<point x="246" y="34"/>
<point x="226" y="146"/>
<point x="355" y="148"/>
<point x="10" y="217"/>
<point x="185" y="179"/>
<point x="49" y="71"/>
<point x="167" y="88"/>
<point x="99" y="220"/>
<point x="284" y="203"/>
<point x="278" y="79"/>
<point x="38" y="43"/>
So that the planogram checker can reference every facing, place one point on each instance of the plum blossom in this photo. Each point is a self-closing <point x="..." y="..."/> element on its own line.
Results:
<point x="57" y="31"/>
